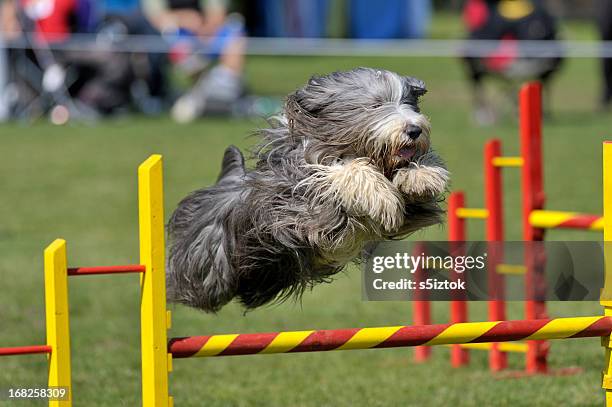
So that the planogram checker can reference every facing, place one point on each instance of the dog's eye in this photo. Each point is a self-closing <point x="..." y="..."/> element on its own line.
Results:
<point x="376" y="105"/>
<point x="411" y="101"/>
<point x="407" y="99"/>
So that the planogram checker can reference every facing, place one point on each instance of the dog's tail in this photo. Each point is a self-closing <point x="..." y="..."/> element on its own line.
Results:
<point x="199" y="269"/>
<point x="232" y="168"/>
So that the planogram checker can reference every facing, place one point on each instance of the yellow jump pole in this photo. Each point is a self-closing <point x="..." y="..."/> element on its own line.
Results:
<point x="606" y="297"/>
<point x="154" y="318"/>
<point x="58" y="326"/>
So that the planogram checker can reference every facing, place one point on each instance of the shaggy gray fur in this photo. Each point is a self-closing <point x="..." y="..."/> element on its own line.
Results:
<point x="271" y="232"/>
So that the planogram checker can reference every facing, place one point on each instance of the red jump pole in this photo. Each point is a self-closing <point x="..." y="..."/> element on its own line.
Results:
<point x="130" y="268"/>
<point x="421" y="310"/>
<point x="495" y="233"/>
<point x="530" y="111"/>
<point x="25" y="350"/>
<point x="456" y="233"/>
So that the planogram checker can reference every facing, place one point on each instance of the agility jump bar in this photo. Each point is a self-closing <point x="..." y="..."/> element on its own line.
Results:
<point x="130" y="268"/>
<point x="472" y="213"/>
<point x="389" y="337"/>
<point x="507" y="161"/>
<point x="569" y="220"/>
<point x="506" y="347"/>
<point x="25" y="350"/>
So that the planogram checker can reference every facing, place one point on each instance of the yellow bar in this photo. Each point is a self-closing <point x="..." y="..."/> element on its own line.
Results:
<point x="503" y="347"/>
<point x="546" y="219"/>
<point x="57" y="315"/>
<point x="473" y="213"/>
<point x="607" y="223"/>
<point x="510" y="269"/>
<point x="606" y="298"/>
<point x="475" y="346"/>
<point x="508" y="161"/>
<point x="513" y="347"/>
<point x="153" y="315"/>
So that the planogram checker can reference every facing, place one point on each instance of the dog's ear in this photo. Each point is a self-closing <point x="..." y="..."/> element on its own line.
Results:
<point x="416" y="86"/>
<point x="297" y="104"/>
<point x="309" y="100"/>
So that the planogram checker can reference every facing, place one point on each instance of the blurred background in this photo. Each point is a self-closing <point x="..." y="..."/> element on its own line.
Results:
<point x="90" y="59"/>
<point x="90" y="88"/>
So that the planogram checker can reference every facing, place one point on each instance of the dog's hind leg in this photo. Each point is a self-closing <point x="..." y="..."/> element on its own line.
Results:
<point x="200" y="270"/>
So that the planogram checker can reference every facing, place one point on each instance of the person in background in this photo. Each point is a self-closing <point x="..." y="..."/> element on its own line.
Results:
<point x="192" y="26"/>
<point x="509" y="22"/>
<point x="604" y="23"/>
<point x="100" y="76"/>
<point x="4" y="84"/>
<point x="9" y="29"/>
<point x="118" y="19"/>
<point x="290" y="18"/>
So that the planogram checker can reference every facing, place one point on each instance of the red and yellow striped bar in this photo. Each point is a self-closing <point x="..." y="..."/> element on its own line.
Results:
<point x="129" y="268"/>
<point x="389" y="337"/>
<point x="544" y="219"/>
<point x="25" y="350"/>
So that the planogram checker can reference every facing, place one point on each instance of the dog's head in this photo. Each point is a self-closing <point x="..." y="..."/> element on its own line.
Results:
<point x="364" y="112"/>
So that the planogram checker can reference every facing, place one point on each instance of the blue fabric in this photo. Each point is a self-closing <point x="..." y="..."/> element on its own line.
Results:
<point x="309" y="18"/>
<point x="418" y="18"/>
<point x="228" y="32"/>
<point x="377" y="19"/>
<point x="120" y="6"/>
<point x="91" y="13"/>
<point x="389" y="18"/>
<point x="86" y="16"/>
<point x="292" y="18"/>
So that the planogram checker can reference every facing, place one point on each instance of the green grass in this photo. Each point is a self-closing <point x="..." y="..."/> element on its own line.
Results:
<point x="79" y="183"/>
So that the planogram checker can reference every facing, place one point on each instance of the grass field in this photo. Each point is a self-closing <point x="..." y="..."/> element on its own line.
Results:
<point x="79" y="183"/>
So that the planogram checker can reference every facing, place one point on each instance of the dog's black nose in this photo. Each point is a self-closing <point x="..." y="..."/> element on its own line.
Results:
<point x="413" y="132"/>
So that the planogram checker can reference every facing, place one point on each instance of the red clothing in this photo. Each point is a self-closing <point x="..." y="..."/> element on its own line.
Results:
<point x="475" y="14"/>
<point x="51" y="17"/>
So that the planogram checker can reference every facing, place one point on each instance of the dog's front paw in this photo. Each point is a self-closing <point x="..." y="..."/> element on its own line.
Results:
<point x="421" y="182"/>
<point x="386" y="209"/>
<point x="364" y="191"/>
